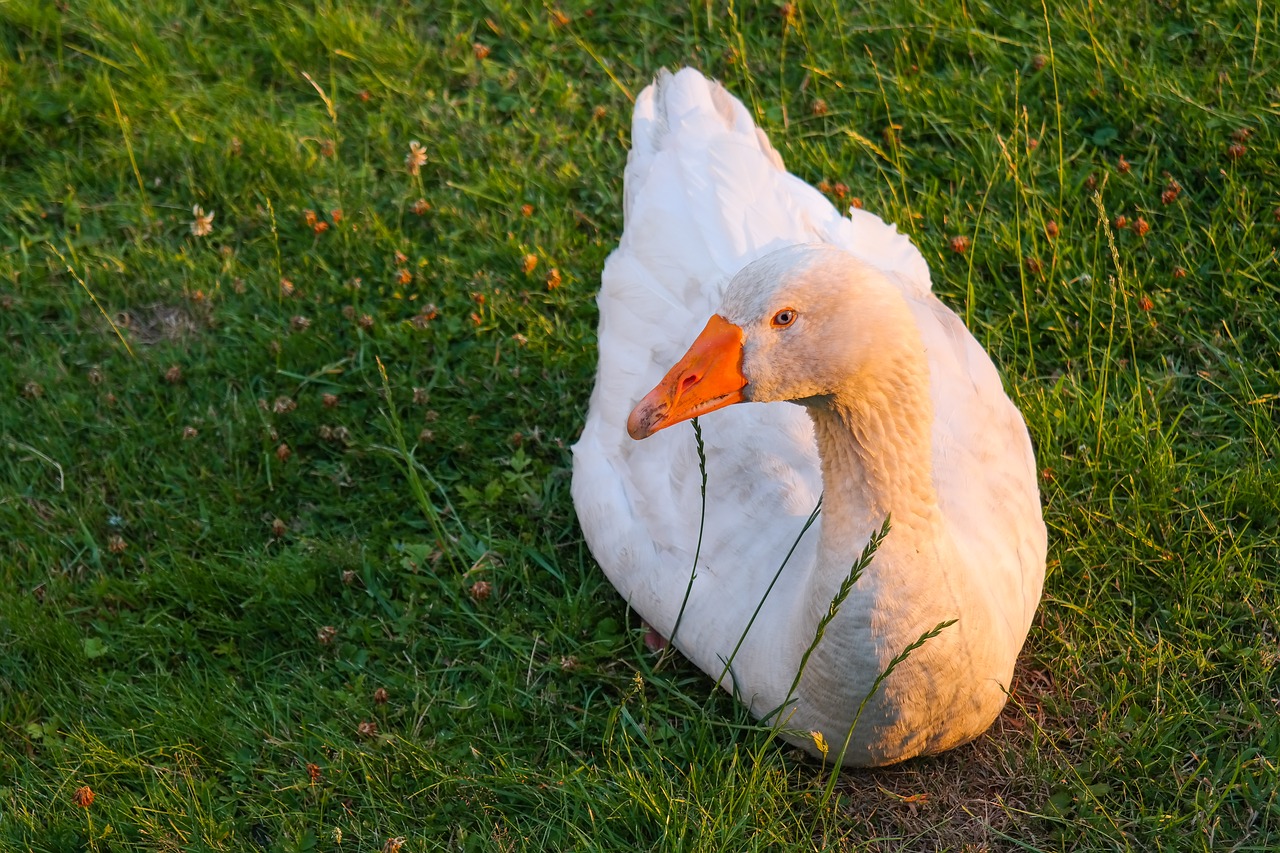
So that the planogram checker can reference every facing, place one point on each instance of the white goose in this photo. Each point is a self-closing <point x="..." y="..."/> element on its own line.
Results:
<point x="901" y="413"/>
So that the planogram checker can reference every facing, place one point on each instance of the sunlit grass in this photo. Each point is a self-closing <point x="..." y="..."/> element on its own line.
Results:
<point x="214" y="559"/>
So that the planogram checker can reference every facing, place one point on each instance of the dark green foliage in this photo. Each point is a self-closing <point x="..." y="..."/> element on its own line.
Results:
<point x="209" y="568"/>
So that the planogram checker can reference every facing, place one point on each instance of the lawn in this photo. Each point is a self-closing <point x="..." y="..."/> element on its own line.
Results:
<point x="255" y="593"/>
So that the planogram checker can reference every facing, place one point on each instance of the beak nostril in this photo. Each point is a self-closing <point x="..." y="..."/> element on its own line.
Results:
<point x="688" y="382"/>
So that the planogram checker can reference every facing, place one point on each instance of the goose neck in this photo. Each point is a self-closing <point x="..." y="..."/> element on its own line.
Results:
<point x="874" y="441"/>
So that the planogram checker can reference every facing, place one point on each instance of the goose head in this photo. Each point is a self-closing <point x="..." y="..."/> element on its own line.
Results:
<point x="802" y="324"/>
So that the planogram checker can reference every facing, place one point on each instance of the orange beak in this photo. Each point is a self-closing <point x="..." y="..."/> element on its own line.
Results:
<point x="709" y="377"/>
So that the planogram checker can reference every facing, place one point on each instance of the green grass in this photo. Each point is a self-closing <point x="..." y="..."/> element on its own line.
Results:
<point x="169" y="572"/>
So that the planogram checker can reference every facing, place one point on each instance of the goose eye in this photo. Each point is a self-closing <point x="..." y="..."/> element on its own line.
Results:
<point x="784" y="318"/>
